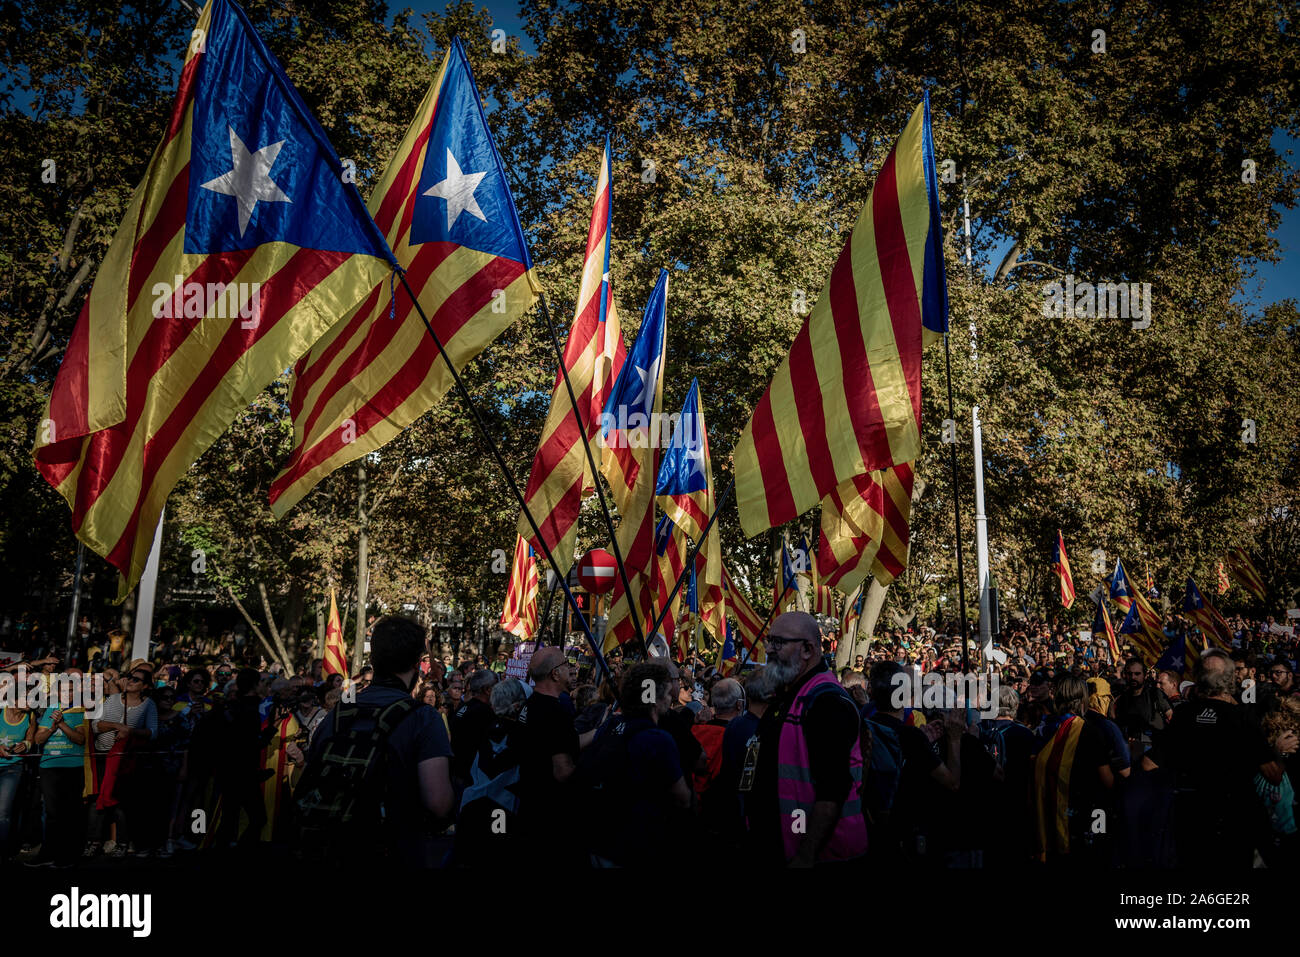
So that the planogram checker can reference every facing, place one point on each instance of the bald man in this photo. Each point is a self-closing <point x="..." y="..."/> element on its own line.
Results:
<point x="805" y="804"/>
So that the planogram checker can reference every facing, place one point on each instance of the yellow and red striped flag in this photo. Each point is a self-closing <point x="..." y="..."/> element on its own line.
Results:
<point x="1051" y="798"/>
<point x="670" y="559"/>
<point x="1221" y="574"/>
<point x="847" y="398"/>
<point x="1142" y="622"/>
<point x="1102" y="624"/>
<point x="240" y="248"/>
<point x="630" y="463"/>
<point x="1245" y="572"/>
<point x="336" y="655"/>
<point x="519" y="616"/>
<point x="1061" y="565"/>
<point x="685" y="492"/>
<point x="561" y="475"/>
<point x="749" y="623"/>
<point x="444" y="204"/>
<point x="1214" y="627"/>
<point x="821" y="597"/>
<point x="865" y="528"/>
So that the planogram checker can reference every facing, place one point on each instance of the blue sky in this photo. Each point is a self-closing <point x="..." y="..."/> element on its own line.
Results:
<point x="1273" y="282"/>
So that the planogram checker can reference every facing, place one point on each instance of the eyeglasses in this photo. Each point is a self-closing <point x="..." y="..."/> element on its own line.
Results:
<point x="135" y="678"/>
<point x="776" y="644"/>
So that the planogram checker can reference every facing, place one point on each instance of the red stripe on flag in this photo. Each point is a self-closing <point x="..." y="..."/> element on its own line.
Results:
<point x="808" y="402"/>
<point x="767" y="447"/>
<point x="896" y="276"/>
<point x="497" y="274"/>
<point x="184" y="92"/>
<point x="161" y="340"/>
<point x="150" y="246"/>
<point x="305" y="269"/>
<point x="859" y="385"/>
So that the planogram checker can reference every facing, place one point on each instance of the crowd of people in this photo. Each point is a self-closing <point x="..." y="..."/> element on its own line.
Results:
<point x="1063" y="758"/>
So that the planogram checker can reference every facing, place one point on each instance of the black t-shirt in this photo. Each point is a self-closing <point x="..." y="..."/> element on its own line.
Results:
<point x="547" y="728"/>
<point x="1215" y="753"/>
<point x="678" y="723"/>
<point x="920" y="798"/>
<point x="469" y="725"/>
<point x="1143" y="713"/>
<point x="831" y="725"/>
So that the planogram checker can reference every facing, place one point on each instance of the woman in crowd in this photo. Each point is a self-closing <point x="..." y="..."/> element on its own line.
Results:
<point x="61" y="733"/>
<point x="17" y="733"/>
<point x="129" y="721"/>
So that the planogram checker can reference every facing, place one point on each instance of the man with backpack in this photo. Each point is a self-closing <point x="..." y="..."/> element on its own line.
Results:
<point x="630" y="783"/>
<point x="805" y="805"/>
<point x="378" y="779"/>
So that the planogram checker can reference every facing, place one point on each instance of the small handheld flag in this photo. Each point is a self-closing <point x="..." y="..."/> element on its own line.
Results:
<point x="1061" y="564"/>
<point x="336" y="656"/>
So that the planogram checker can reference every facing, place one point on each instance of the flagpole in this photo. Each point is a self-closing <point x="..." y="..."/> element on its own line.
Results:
<point x="504" y="466"/>
<point x="759" y="637"/>
<point x="148" y="590"/>
<point x="690" y="558"/>
<point x="69" y="651"/>
<point x="595" y="474"/>
<point x="544" y="622"/>
<point x="956" y="516"/>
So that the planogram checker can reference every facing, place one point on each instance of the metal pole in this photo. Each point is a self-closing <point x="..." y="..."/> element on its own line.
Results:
<point x="981" y="538"/>
<point x="76" y="605"/>
<point x="595" y="472"/>
<point x="956" y="518"/>
<point x="148" y="590"/>
<point x="505" y="470"/>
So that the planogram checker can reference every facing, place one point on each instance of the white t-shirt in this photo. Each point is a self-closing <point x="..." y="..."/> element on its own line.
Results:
<point x="143" y="715"/>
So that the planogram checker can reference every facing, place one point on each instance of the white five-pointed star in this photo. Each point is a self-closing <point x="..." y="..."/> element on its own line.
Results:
<point x="458" y="190"/>
<point x="695" y="455"/>
<point x="644" y="397"/>
<point x="249" y="179"/>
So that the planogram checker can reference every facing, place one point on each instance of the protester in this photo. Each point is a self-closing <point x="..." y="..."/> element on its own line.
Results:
<point x="550" y="746"/>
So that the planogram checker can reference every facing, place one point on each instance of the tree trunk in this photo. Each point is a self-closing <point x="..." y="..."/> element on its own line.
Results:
<point x="844" y="650"/>
<point x="281" y="654"/>
<point x="871" y="608"/>
<point x="363" y="569"/>
<point x="292" y="623"/>
<point x="257" y="632"/>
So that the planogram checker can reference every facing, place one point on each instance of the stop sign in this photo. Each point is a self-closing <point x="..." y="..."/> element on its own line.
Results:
<point x="596" y="571"/>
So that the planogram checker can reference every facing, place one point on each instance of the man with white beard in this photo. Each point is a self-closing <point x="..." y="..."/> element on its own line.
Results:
<point x="804" y="804"/>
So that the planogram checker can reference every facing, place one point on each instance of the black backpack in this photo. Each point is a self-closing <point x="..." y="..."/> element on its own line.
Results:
<point x="340" y="797"/>
<point x="601" y="792"/>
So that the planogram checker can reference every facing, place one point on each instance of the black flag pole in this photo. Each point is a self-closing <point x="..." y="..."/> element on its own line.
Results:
<point x="595" y="475"/>
<point x="505" y="470"/>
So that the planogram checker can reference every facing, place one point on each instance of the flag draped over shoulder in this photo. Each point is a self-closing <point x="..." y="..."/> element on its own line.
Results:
<point x="239" y="249"/>
<point x="684" y="490"/>
<point x="865" y="528"/>
<point x="630" y="462"/>
<point x="1052" y="769"/>
<point x="519" y="616"/>
<point x="847" y="398"/>
<point x="1061" y="565"/>
<point x="593" y="355"/>
<point x="336" y="655"/>
<point x="1245" y="573"/>
<point x="445" y="207"/>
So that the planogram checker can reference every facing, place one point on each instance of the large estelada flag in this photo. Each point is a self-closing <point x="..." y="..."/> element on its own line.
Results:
<point x="684" y="490"/>
<point x="444" y="205"/>
<point x="519" y="614"/>
<point x="336" y="655"/>
<point x="1141" y="621"/>
<point x="630" y="462"/>
<point x="593" y="355"/>
<point x="847" y="399"/>
<point x="865" y="528"/>
<point x="1120" y="592"/>
<point x="1245" y="572"/>
<point x="241" y="247"/>
<point x="1061" y="565"/>
<point x="1212" y="624"/>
